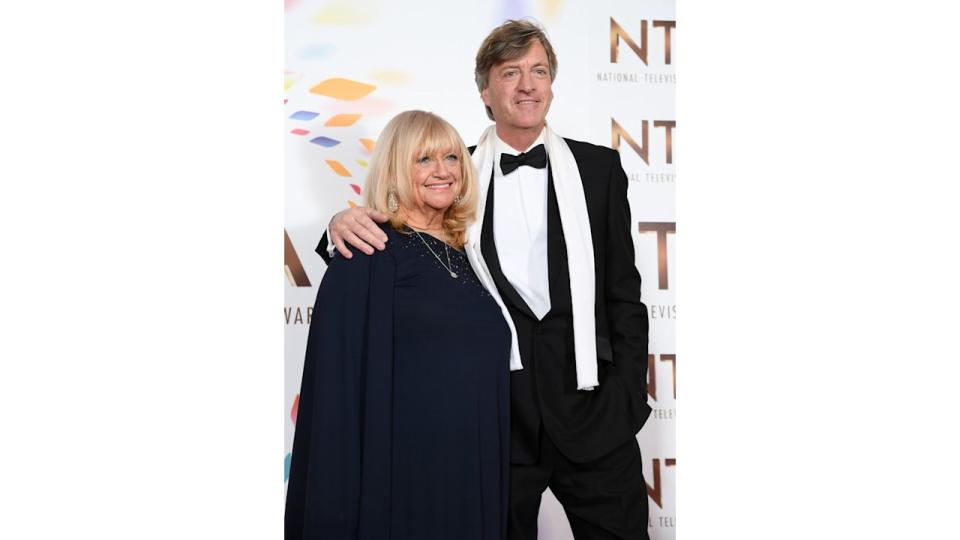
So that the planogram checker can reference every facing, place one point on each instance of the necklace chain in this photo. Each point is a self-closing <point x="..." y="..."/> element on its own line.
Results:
<point x="448" y="267"/>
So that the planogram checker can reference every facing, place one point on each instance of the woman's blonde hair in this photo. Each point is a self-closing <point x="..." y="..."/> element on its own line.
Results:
<point x="407" y="137"/>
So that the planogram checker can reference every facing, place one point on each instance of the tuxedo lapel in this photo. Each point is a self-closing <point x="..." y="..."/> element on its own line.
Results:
<point x="489" y="249"/>
<point x="559" y="276"/>
<point x="556" y="247"/>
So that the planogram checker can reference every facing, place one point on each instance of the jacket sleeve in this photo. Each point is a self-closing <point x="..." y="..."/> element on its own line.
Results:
<point x="323" y="248"/>
<point x="626" y="313"/>
<point x="339" y="471"/>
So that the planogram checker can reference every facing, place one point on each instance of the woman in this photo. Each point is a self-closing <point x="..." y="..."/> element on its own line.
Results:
<point x="403" y="425"/>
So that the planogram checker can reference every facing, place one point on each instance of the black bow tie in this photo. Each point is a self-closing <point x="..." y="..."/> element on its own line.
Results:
<point x="536" y="158"/>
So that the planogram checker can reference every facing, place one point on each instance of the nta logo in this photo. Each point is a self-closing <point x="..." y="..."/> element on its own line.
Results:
<point x="292" y="265"/>
<point x="617" y="133"/>
<point x="652" y="373"/>
<point x="662" y="228"/>
<point x="617" y="33"/>
<point x="656" y="492"/>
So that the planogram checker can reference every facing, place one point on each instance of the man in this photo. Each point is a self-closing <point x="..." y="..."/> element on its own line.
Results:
<point x="553" y="238"/>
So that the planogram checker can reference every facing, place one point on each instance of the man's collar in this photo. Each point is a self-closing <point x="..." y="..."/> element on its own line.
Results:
<point x="501" y="147"/>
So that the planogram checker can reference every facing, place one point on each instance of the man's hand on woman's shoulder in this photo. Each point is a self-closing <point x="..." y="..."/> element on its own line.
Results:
<point x="357" y="226"/>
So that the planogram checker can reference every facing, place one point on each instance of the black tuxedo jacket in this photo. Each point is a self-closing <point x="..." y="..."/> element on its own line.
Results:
<point x="584" y="425"/>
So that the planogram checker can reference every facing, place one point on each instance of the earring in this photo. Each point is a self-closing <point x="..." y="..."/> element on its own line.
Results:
<point x="392" y="201"/>
<point x="458" y="200"/>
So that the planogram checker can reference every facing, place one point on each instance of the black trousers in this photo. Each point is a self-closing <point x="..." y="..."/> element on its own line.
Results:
<point x="604" y="499"/>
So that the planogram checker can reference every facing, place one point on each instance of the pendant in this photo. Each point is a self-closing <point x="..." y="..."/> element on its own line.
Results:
<point x="453" y="274"/>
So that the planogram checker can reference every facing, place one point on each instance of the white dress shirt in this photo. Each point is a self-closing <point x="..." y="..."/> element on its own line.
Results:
<point x="520" y="228"/>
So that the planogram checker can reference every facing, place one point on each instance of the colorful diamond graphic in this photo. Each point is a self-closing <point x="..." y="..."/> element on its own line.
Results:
<point x="295" y="408"/>
<point x="552" y="7"/>
<point x="368" y="144"/>
<point x="356" y="188"/>
<point x="344" y="89"/>
<point x="342" y="120"/>
<point x="313" y="52"/>
<point x="338" y="168"/>
<point x="299" y="131"/>
<point x="391" y="76"/>
<point x="343" y="14"/>
<point x="304" y="115"/>
<point x="325" y="141"/>
<point x="286" y="467"/>
<point x="362" y="163"/>
<point x="351" y="204"/>
<point x="289" y="79"/>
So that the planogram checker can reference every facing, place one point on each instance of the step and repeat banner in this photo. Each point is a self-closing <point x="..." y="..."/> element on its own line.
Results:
<point x="352" y="65"/>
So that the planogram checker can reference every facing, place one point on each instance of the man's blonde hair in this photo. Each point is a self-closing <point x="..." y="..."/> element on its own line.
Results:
<point x="407" y="137"/>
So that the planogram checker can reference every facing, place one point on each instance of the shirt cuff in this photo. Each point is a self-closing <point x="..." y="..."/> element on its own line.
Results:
<point x="331" y="248"/>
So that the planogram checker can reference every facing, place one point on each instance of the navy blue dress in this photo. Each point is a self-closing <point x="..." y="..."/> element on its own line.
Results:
<point x="403" y="425"/>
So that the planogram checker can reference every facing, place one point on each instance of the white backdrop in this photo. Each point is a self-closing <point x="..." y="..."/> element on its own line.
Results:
<point x="351" y="66"/>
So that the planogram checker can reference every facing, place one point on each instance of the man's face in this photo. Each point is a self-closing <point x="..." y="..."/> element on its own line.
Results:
<point x="518" y="91"/>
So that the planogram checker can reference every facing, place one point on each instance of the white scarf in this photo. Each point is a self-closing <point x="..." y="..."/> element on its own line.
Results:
<point x="576" y="232"/>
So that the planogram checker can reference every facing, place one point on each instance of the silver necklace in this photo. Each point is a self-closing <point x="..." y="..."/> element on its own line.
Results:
<point x="448" y="267"/>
